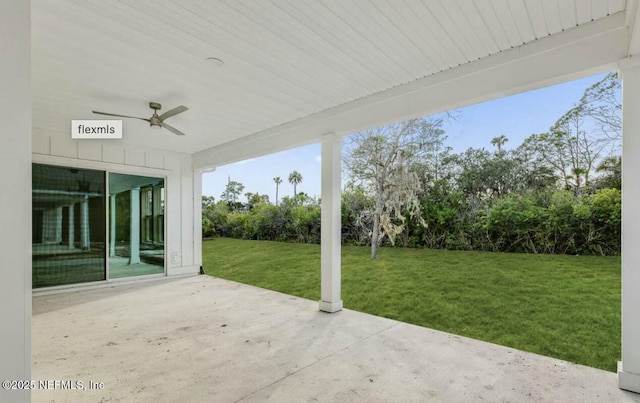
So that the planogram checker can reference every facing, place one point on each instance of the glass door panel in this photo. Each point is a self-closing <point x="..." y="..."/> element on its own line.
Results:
<point x="136" y="225"/>
<point x="68" y="225"/>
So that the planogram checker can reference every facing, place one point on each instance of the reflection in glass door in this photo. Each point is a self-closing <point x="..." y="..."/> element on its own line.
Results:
<point x="68" y="225"/>
<point x="136" y="225"/>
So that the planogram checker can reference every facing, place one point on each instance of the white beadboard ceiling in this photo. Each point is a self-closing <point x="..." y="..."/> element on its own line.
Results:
<point x="284" y="59"/>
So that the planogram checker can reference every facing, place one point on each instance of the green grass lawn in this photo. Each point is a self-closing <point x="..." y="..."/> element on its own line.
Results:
<point x="566" y="307"/>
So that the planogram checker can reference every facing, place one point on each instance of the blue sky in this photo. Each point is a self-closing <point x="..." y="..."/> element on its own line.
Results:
<point x="516" y="116"/>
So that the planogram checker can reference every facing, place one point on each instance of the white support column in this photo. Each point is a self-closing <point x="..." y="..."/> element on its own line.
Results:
<point x="15" y="202"/>
<point x="48" y="226"/>
<point x="71" y="229"/>
<point x="52" y="226"/>
<point x="85" y="239"/>
<point x="146" y="214"/>
<point x="134" y="233"/>
<point x="629" y="367"/>
<point x="156" y="236"/>
<point x="58" y="226"/>
<point x="331" y="226"/>
<point x="112" y="225"/>
<point x="197" y="218"/>
<point x="43" y="227"/>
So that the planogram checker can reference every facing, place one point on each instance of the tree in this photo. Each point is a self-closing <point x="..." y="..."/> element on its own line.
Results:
<point x="499" y="141"/>
<point x="208" y="228"/>
<point x="578" y="174"/>
<point x="611" y="170"/>
<point x="602" y="102"/>
<point x="295" y="178"/>
<point x="578" y="140"/>
<point x="569" y="148"/>
<point x="356" y="227"/>
<point x="382" y="159"/>
<point x="278" y="181"/>
<point x="437" y="163"/>
<point x="253" y="199"/>
<point x="215" y="218"/>
<point x="232" y="191"/>
<point x="472" y="179"/>
<point x="536" y="176"/>
<point x="207" y="201"/>
<point x="582" y="148"/>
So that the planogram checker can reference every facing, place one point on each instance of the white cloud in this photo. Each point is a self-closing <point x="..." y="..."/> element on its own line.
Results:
<point x="319" y="158"/>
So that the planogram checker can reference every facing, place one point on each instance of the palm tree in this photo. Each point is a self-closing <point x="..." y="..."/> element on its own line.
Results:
<point x="578" y="173"/>
<point x="278" y="181"/>
<point x="499" y="141"/>
<point x="295" y="178"/>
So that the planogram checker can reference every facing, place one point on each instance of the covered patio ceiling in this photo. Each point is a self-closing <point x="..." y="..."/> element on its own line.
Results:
<point x="301" y="69"/>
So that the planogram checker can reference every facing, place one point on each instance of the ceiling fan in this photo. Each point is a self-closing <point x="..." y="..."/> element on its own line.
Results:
<point x="155" y="120"/>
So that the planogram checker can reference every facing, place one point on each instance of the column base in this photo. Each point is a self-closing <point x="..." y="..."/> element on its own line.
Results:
<point x="627" y="380"/>
<point x="330" y="307"/>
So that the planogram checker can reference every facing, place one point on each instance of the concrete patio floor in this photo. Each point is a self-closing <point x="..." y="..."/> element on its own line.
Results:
<point x="202" y="339"/>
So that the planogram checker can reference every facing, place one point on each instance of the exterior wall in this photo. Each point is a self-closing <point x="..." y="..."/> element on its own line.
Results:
<point x="15" y="196"/>
<point x="629" y="367"/>
<point x="182" y="253"/>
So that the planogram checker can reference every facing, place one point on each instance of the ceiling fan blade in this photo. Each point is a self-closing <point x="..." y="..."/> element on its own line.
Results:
<point x="172" y="112"/>
<point x="171" y="129"/>
<point x="120" y="116"/>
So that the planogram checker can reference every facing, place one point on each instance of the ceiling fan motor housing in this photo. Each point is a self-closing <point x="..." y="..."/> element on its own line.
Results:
<point x="154" y="121"/>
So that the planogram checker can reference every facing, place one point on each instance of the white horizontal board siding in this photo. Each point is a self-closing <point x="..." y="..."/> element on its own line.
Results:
<point x="113" y="153"/>
<point x="64" y="148"/>
<point x="134" y="156"/>
<point x="40" y="144"/>
<point x="89" y="150"/>
<point x="154" y="159"/>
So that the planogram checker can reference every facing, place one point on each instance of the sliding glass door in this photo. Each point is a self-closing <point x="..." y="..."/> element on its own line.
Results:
<point x="136" y="225"/>
<point x="68" y="225"/>
<point x="73" y="238"/>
